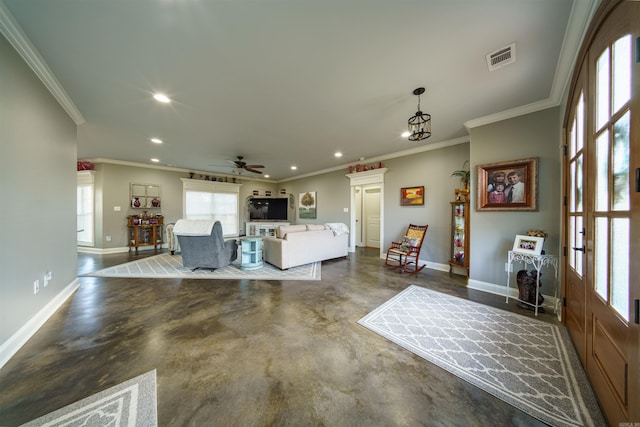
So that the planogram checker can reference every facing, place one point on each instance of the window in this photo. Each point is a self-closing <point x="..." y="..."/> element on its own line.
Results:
<point x="212" y="200"/>
<point x="85" y="208"/>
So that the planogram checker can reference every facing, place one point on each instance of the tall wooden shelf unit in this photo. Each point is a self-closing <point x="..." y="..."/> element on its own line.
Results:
<point x="459" y="256"/>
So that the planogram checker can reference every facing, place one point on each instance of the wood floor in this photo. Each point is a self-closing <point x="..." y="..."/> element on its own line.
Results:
<point x="249" y="353"/>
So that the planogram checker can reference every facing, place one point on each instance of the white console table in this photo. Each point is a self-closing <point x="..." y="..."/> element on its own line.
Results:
<point x="538" y="261"/>
<point x="258" y="228"/>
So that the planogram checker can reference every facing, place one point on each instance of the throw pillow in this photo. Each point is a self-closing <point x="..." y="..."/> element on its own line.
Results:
<point x="286" y="229"/>
<point x="314" y="227"/>
<point x="407" y="242"/>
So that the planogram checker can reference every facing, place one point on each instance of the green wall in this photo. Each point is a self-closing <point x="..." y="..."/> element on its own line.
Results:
<point x="38" y="195"/>
<point x="493" y="233"/>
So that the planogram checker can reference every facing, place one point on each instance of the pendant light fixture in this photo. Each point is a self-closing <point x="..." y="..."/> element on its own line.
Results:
<point x="420" y="123"/>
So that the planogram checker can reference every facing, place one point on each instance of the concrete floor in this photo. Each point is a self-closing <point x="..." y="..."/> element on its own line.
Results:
<point x="249" y="353"/>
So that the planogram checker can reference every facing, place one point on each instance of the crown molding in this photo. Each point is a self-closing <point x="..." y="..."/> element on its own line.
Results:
<point x="582" y="12"/>
<point x="21" y="43"/>
<point x="99" y="160"/>
<point x="514" y="112"/>
<point x="419" y="149"/>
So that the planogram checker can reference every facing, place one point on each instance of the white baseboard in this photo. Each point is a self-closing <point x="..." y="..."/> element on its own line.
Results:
<point x="550" y="302"/>
<point x="429" y="264"/>
<point x="11" y="346"/>
<point x="99" y="251"/>
<point x="437" y="266"/>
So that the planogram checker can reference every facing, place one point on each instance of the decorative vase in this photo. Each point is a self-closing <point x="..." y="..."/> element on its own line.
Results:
<point x="155" y="202"/>
<point x="136" y="202"/>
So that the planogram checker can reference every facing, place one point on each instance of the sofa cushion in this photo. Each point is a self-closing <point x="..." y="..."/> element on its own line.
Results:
<point x="315" y="227"/>
<point x="283" y="230"/>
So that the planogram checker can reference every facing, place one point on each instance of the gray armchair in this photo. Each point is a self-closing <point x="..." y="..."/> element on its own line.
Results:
<point x="206" y="251"/>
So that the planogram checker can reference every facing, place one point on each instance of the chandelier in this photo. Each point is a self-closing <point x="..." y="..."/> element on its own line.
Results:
<point x="420" y="123"/>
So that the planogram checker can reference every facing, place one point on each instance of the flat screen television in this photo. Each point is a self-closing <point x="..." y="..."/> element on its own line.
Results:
<point x="267" y="208"/>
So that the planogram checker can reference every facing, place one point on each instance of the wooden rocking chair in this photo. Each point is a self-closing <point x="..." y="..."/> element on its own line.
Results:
<point x="404" y="254"/>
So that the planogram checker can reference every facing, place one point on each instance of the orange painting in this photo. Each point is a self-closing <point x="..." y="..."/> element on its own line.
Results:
<point x="412" y="196"/>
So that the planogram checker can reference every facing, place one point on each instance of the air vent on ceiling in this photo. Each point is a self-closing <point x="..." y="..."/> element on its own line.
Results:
<point x="502" y="57"/>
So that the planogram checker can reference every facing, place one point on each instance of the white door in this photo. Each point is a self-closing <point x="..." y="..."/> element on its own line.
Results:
<point x="372" y="216"/>
<point x="358" y="214"/>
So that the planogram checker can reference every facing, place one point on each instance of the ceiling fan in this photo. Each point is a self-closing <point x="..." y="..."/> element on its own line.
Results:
<point x="240" y="164"/>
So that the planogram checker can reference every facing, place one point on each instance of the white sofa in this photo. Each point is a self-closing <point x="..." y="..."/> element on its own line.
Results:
<point x="306" y="243"/>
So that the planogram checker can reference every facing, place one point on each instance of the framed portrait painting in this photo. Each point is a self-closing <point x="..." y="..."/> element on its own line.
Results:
<point x="508" y="186"/>
<point x="412" y="196"/>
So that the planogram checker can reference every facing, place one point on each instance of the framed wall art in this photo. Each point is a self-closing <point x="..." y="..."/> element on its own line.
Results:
<point x="531" y="245"/>
<point x="412" y="196"/>
<point x="508" y="186"/>
<point x="144" y="196"/>
<point x="307" y="205"/>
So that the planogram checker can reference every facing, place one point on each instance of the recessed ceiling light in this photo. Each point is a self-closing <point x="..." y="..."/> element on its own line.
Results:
<point x="294" y="168"/>
<point x="155" y="160"/>
<point x="266" y="176"/>
<point x="156" y="140"/>
<point x="405" y="134"/>
<point x="338" y="154"/>
<point x="161" y="97"/>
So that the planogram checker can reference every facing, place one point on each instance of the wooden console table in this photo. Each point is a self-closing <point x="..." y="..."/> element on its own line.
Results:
<point x="144" y="232"/>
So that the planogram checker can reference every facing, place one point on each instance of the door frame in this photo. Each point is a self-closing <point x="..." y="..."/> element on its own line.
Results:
<point x="374" y="177"/>
<point x="365" y="190"/>
<point x="631" y="335"/>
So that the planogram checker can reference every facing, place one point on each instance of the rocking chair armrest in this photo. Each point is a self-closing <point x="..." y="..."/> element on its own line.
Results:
<point x="394" y="245"/>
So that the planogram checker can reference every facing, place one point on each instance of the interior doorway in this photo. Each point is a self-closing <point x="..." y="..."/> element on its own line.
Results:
<point x="367" y="209"/>
<point x="367" y="212"/>
<point x="371" y="217"/>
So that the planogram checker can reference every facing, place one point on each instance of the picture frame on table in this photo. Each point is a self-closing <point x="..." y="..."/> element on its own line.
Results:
<point x="412" y="196"/>
<point x="531" y="245"/>
<point x="508" y="186"/>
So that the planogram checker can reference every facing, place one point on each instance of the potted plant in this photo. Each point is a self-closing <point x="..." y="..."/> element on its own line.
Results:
<point x="464" y="174"/>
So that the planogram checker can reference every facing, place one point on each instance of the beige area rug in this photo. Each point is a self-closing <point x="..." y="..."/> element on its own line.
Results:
<point x="170" y="267"/>
<point x="527" y="363"/>
<point x="132" y="403"/>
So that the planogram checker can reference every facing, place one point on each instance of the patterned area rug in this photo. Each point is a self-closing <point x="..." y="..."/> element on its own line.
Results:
<point x="170" y="267"/>
<point x="525" y="362"/>
<point x="132" y="403"/>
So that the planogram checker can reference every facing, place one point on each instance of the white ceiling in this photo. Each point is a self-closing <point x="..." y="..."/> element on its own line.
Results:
<point x="287" y="82"/>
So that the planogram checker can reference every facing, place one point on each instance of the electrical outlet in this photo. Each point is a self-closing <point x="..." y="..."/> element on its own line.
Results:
<point x="36" y="286"/>
<point x="116" y="208"/>
<point x="107" y="238"/>
<point x="47" y="278"/>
